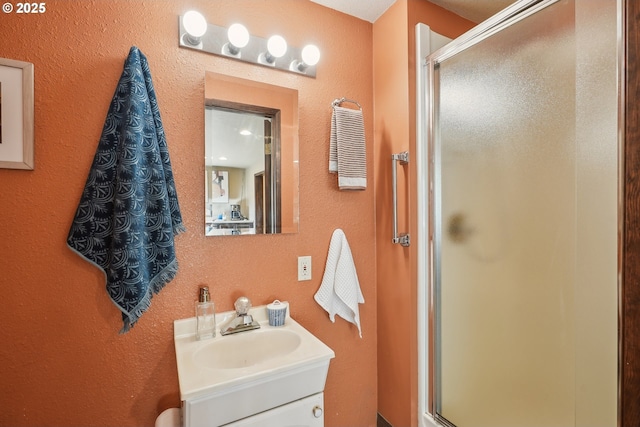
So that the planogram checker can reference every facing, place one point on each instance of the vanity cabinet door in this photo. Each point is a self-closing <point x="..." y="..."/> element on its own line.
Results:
<point x="307" y="412"/>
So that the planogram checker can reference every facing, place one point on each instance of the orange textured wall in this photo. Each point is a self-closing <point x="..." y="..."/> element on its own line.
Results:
<point x="394" y="285"/>
<point x="63" y="362"/>
<point x="394" y="96"/>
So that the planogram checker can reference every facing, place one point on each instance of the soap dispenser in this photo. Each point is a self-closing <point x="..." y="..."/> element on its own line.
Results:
<point x="205" y="315"/>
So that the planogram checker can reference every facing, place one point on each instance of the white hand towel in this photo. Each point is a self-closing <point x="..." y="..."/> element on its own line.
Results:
<point x="339" y="291"/>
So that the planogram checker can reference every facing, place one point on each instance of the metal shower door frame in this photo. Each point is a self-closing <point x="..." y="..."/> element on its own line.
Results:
<point x="429" y="241"/>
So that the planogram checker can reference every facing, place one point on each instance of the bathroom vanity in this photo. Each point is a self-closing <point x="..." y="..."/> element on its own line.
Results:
<point x="271" y="376"/>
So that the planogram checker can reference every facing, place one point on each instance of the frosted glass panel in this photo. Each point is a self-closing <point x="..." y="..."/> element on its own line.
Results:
<point x="526" y="214"/>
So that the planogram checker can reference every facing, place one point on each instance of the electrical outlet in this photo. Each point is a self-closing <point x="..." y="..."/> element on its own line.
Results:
<point x="304" y="268"/>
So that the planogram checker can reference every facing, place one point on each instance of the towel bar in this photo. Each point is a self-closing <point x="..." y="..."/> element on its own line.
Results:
<point x="339" y="101"/>
<point x="403" y="158"/>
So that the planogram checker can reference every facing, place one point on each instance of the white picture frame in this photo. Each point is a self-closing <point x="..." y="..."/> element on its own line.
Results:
<point x="16" y="114"/>
<point x="219" y="186"/>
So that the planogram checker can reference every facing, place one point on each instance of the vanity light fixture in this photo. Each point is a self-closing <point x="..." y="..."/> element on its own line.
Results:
<point x="195" y="27"/>
<point x="238" y="37"/>
<point x="276" y="48"/>
<point x="236" y="42"/>
<point x="310" y="57"/>
<point x="245" y="132"/>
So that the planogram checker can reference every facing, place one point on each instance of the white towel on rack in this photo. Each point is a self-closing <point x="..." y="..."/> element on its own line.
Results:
<point x="339" y="292"/>
<point x="347" y="149"/>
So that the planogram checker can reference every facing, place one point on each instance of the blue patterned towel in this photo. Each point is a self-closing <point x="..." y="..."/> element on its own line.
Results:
<point x="128" y="213"/>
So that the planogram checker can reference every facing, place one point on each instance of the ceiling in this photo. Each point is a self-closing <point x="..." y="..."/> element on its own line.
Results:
<point x="226" y="146"/>
<point x="370" y="10"/>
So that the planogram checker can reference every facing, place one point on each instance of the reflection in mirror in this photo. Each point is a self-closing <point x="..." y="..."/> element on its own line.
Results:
<point x="241" y="170"/>
<point x="251" y="157"/>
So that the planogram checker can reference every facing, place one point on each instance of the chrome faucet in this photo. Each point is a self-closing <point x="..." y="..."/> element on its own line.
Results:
<point x="243" y="320"/>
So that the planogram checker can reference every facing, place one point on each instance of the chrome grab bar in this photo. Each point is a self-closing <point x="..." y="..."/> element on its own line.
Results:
<point x="403" y="158"/>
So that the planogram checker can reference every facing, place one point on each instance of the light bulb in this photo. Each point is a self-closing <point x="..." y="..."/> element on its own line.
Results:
<point x="195" y="24"/>
<point x="277" y="46"/>
<point x="238" y="35"/>
<point x="310" y="55"/>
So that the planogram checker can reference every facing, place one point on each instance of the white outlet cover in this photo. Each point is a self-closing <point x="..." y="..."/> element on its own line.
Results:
<point x="304" y="268"/>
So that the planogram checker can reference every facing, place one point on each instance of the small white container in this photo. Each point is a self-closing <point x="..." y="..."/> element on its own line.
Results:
<point x="277" y="312"/>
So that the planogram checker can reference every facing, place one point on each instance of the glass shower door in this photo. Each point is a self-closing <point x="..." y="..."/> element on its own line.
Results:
<point x="525" y="222"/>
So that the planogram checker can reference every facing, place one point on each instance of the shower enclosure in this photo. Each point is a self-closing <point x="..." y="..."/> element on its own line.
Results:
<point x="523" y="166"/>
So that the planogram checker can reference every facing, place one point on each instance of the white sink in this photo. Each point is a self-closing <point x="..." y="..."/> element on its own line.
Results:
<point x="230" y="377"/>
<point x="244" y="350"/>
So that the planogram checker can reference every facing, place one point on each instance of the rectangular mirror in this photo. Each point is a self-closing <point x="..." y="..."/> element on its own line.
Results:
<point x="251" y="157"/>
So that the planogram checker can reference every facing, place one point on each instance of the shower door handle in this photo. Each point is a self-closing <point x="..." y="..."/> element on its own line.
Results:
<point x="403" y="158"/>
